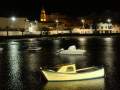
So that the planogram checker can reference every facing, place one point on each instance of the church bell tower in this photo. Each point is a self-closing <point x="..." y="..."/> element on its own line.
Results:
<point x="43" y="15"/>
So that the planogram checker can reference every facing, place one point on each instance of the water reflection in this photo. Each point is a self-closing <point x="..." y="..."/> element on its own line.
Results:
<point x="21" y="65"/>
<point x="97" y="84"/>
<point x="15" y="82"/>
<point x="82" y="43"/>
<point x="108" y="61"/>
<point x="108" y="52"/>
<point x="72" y="59"/>
<point x="32" y="61"/>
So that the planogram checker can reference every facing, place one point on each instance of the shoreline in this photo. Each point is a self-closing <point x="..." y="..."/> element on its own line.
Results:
<point x="60" y="36"/>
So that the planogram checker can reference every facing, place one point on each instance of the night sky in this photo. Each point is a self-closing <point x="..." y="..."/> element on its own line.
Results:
<point x="31" y="8"/>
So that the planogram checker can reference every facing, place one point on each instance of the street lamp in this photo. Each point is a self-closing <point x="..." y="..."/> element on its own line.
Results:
<point x="57" y="25"/>
<point x="83" y="22"/>
<point x="109" y="22"/>
<point x="13" y="18"/>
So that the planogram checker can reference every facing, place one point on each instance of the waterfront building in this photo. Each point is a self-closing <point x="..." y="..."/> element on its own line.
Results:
<point x="82" y="31"/>
<point x="12" y="25"/>
<point x="116" y="28"/>
<point x="108" y="28"/>
<point x="104" y="28"/>
<point x="12" y="22"/>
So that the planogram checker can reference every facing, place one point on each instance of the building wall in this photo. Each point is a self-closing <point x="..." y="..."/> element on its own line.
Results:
<point x="10" y="33"/>
<point x="33" y="27"/>
<point x="53" y="32"/>
<point x="104" y="28"/>
<point x="8" y="23"/>
<point x="82" y="31"/>
<point x="108" y="28"/>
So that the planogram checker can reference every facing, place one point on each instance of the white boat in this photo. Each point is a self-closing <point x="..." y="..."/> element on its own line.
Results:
<point x="69" y="73"/>
<point x="71" y="50"/>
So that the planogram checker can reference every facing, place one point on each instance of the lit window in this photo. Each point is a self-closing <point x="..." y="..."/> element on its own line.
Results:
<point x="43" y="19"/>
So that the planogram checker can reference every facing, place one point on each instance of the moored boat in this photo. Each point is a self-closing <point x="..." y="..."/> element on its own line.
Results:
<point x="71" y="51"/>
<point x="70" y="73"/>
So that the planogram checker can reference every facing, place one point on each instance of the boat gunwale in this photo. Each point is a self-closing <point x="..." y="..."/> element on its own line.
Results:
<point x="52" y="71"/>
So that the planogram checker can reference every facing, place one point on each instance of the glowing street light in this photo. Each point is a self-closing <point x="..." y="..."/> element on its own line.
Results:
<point x="12" y="22"/>
<point x="13" y="18"/>
<point x="109" y="20"/>
<point x="57" y="21"/>
<point x="83" y="22"/>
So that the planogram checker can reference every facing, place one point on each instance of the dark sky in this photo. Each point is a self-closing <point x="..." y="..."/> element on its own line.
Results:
<point x="31" y="8"/>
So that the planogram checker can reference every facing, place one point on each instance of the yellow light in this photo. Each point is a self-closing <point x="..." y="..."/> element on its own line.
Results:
<point x="43" y="19"/>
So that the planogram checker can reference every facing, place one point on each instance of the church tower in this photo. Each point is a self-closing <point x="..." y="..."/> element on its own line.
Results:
<point x="43" y="15"/>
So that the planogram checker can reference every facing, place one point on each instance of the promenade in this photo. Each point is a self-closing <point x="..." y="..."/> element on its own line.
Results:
<point x="60" y="36"/>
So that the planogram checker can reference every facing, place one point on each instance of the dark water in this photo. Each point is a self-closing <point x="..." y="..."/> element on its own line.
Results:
<point x="19" y="69"/>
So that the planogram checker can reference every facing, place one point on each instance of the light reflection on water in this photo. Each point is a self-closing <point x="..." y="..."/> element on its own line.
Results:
<point x="32" y="61"/>
<point x="97" y="84"/>
<point x="15" y="82"/>
<point x="100" y="51"/>
<point x="109" y="53"/>
<point x="108" y="60"/>
<point x="82" y="43"/>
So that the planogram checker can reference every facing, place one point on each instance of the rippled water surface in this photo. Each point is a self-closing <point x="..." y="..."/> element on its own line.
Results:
<point x="19" y="68"/>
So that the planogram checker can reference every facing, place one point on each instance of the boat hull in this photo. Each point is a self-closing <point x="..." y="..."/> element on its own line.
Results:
<point x="55" y="76"/>
<point x="73" y="52"/>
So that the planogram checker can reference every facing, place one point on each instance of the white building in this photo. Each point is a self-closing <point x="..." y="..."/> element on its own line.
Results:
<point x="105" y="27"/>
<point x="54" y="32"/>
<point x="32" y="27"/>
<point x="108" y="28"/>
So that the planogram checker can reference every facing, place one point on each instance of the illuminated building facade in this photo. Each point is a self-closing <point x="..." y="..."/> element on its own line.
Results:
<point x="104" y="28"/>
<point x="108" y="28"/>
<point x="18" y="23"/>
<point x="43" y="15"/>
<point x="82" y="31"/>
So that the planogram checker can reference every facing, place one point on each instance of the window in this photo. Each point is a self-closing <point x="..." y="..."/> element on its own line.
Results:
<point x="109" y="27"/>
<point x="101" y="27"/>
<point x="69" y="69"/>
<point x="106" y="27"/>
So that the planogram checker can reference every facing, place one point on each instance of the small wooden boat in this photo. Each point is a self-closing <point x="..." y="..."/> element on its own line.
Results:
<point x="69" y="73"/>
<point x="71" y="51"/>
